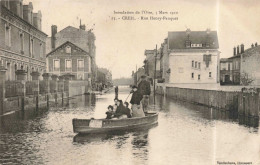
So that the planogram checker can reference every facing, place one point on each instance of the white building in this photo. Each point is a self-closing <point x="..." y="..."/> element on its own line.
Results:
<point x="193" y="57"/>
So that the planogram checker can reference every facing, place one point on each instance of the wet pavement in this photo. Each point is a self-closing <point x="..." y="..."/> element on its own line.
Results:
<point x="186" y="134"/>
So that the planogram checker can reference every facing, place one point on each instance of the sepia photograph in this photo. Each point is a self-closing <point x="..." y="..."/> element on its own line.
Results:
<point x="129" y="82"/>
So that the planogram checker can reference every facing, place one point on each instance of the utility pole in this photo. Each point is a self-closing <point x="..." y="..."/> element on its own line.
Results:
<point x="154" y="74"/>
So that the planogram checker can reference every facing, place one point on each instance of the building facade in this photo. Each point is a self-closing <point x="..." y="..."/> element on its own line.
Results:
<point x="193" y="57"/>
<point x="69" y="59"/>
<point x="83" y="39"/>
<point x="225" y="71"/>
<point x="250" y="66"/>
<point x="149" y="64"/>
<point x="22" y="43"/>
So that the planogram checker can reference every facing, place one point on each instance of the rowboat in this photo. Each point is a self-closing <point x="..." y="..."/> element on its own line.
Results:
<point x="85" y="126"/>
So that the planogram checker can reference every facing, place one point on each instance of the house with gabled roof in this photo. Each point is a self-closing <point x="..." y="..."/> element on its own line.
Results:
<point x="192" y="57"/>
<point x="69" y="59"/>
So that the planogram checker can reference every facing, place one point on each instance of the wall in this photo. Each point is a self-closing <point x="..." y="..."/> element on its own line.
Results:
<point x="250" y="64"/>
<point x="180" y="64"/>
<point x="77" y="87"/>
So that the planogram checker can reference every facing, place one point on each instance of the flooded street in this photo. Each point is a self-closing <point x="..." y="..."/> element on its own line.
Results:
<point x="186" y="134"/>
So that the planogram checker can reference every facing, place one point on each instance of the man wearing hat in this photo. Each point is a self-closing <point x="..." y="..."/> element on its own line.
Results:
<point x="136" y="103"/>
<point x="145" y="90"/>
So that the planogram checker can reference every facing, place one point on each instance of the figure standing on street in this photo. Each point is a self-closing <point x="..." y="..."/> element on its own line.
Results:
<point x="145" y="89"/>
<point x="136" y="103"/>
<point x="116" y="92"/>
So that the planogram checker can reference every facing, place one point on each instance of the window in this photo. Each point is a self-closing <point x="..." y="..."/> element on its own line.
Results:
<point x="199" y="65"/>
<point x="41" y="50"/>
<point x="199" y="77"/>
<point x="56" y="65"/>
<point x="7" y="35"/>
<point x="209" y="74"/>
<point x="192" y="75"/>
<point x="68" y="49"/>
<point x="196" y="64"/>
<point x="31" y="47"/>
<point x="68" y="65"/>
<point x="192" y="63"/>
<point x="22" y="41"/>
<point x="80" y="65"/>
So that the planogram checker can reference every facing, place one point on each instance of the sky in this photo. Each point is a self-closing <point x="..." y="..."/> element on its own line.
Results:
<point x="120" y="44"/>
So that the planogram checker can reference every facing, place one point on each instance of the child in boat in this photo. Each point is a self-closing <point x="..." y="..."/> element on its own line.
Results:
<point x="110" y="112"/>
<point x="128" y="111"/>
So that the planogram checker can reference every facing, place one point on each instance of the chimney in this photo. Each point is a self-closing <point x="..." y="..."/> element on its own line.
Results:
<point x="53" y="32"/>
<point x="252" y="45"/>
<point x="237" y="49"/>
<point x="256" y="44"/>
<point x="37" y="20"/>
<point x="82" y="27"/>
<point x="242" y="48"/>
<point x="234" y="51"/>
<point x="27" y="13"/>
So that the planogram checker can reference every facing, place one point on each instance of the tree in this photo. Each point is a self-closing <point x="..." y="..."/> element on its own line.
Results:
<point x="245" y="79"/>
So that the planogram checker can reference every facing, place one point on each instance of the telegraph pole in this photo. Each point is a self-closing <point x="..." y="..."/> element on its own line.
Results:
<point x="154" y="74"/>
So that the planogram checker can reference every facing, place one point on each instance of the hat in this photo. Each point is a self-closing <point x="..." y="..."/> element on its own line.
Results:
<point x="143" y="76"/>
<point x="134" y="86"/>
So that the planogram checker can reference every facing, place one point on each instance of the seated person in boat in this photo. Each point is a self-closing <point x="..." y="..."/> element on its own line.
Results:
<point x="116" y="102"/>
<point x="135" y="101"/>
<point x="110" y="112"/>
<point x="128" y="111"/>
<point x="120" y="112"/>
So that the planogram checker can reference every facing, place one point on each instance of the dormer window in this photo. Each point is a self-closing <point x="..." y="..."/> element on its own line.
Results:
<point x="188" y="44"/>
<point x="68" y="49"/>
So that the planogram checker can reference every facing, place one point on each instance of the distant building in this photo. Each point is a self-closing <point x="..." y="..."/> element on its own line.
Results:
<point x="83" y="39"/>
<point x="236" y="61"/>
<point x="250" y="66"/>
<point x="149" y="64"/>
<point x="70" y="59"/>
<point x="192" y="57"/>
<point x="164" y="61"/>
<point x="22" y="42"/>
<point x="136" y="76"/>
<point x="225" y="71"/>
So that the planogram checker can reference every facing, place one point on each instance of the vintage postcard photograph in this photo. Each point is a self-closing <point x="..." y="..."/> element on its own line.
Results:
<point x="129" y="82"/>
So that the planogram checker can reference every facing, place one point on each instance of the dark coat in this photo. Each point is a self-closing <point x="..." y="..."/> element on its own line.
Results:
<point x="120" y="110"/>
<point x="136" y="98"/>
<point x="144" y="87"/>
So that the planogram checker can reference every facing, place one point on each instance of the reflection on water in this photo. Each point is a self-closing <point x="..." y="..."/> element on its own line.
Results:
<point x="186" y="134"/>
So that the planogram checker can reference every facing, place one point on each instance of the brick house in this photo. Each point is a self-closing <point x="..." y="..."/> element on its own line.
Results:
<point x="22" y="43"/>
<point x="149" y="64"/>
<point x="70" y="59"/>
<point x="83" y="39"/>
<point x="191" y="57"/>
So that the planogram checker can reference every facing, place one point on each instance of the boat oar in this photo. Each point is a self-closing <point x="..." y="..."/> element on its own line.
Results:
<point x="128" y="96"/>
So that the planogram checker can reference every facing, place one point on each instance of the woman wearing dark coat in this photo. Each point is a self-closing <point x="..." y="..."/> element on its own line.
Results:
<point x="120" y="110"/>
<point x="135" y="101"/>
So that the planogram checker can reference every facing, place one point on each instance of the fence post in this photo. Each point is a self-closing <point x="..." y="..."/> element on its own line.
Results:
<point x="2" y="89"/>
<point x="46" y="78"/>
<point x="36" y="87"/>
<point x="21" y="76"/>
<point x="55" y="87"/>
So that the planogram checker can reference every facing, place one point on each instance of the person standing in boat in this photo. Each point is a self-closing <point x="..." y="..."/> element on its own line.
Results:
<point x="116" y="92"/>
<point x="145" y="90"/>
<point x="136" y="103"/>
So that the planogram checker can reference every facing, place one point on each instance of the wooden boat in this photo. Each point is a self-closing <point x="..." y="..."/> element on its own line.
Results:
<point x="85" y="126"/>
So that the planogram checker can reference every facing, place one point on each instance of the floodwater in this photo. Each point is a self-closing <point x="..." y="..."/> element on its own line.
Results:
<point x="186" y="134"/>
